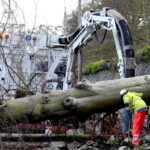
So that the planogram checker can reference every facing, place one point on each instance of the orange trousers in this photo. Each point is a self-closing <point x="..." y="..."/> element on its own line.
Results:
<point x="138" y="122"/>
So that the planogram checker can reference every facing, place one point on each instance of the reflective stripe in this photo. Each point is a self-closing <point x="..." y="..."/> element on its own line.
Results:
<point x="135" y="134"/>
<point x="135" y="139"/>
<point x="136" y="99"/>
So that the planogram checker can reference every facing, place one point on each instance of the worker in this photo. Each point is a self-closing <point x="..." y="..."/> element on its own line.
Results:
<point x="138" y="108"/>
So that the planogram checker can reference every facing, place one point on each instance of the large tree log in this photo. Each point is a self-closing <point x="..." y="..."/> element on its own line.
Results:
<point x="42" y="137"/>
<point x="85" y="99"/>
<point x="23" y="145"/>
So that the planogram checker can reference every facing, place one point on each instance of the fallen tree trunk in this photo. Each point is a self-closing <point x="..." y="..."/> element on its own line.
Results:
<point x="85" y="99"/>
<point x="42" y="137"/>
<point x="23" y="145"/>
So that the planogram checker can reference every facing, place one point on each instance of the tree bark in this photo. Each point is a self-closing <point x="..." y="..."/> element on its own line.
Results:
<point x="85" y="99"/>
<point x="42" y="137"/>
<point x="23" y="145"/>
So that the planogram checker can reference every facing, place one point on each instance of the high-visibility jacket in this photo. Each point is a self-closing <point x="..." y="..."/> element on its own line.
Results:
<point x="135" y="101"/>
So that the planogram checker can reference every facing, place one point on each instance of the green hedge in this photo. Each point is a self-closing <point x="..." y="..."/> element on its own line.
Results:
<point x="92" y="67"/>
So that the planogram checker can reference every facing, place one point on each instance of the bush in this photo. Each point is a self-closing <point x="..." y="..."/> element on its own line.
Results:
<point x="96" y="66"/>
<point x="143" y="55"/>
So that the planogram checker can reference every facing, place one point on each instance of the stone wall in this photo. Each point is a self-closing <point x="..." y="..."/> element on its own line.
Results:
<point x="141" y="69"/>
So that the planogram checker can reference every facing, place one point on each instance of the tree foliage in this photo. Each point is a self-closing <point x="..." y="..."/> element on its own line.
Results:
<point x="137" y="14"/>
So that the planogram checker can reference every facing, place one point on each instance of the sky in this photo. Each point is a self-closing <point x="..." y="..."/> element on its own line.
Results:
<point x="49" y="12"/>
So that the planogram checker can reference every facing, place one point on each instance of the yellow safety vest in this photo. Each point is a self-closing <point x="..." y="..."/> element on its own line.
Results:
<point x="135" y="101"/>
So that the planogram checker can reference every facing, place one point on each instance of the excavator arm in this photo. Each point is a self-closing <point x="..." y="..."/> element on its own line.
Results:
<point x="109" y="20"/>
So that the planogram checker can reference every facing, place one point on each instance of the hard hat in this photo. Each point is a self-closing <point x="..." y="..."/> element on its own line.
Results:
<point x="123" y="91"/>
